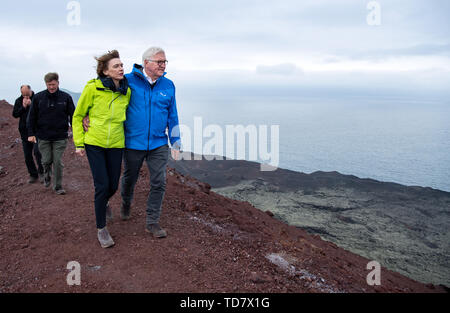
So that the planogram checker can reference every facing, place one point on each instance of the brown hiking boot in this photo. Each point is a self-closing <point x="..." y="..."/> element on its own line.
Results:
<point x="156" y="230"/>
<point x="105" y="238"/>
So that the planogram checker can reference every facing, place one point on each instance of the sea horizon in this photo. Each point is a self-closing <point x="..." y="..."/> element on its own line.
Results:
<point x="404" y="141"/>
<point x="393" y="139"/>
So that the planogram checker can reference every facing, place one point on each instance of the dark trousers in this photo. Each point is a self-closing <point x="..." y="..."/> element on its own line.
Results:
<point x="52" y="153"/>
<point x="156" y="160"/>
<point x="30" y="148"/>
<point x="105" y="167"/>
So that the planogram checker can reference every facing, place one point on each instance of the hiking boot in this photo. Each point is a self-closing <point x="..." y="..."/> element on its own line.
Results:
<point x="47" y="182"/>
<point x="156" y="230"/>
<point x="32" y="180"/>
<point x="104" y="238"/>
<point x="124" y="212"/>
<point x="109" y="215"/>
<point x="60" y="191"/>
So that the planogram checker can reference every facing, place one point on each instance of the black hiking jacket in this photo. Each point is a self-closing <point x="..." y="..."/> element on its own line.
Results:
<point x="50" y="115"/>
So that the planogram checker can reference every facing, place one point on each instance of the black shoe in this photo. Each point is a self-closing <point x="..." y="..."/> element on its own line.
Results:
<point x="109" y="215"/>
<point x="47" y="182"/>
<point x="41" y="177"/>
<point x="124" y="212"/>
<point x="32" y="180"/>
<point x="60" y="191"/>
<point x="156" y="230"/>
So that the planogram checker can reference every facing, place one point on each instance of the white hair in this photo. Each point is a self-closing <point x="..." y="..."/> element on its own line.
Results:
<point x="150" y="52"/>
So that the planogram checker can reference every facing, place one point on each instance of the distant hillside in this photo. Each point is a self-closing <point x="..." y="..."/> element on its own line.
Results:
<point x="75" y="95"/>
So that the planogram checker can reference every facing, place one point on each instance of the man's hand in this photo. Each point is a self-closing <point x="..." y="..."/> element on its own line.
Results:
<point x="86" y="123"/>
<point x="175" y="154"/>
<point x="79" y="151"/>
<point x="32" y="139"/>
<point x="26" y="102"/>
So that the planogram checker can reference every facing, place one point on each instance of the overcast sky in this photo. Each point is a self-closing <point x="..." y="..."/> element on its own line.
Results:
<point x="284" y="44"/>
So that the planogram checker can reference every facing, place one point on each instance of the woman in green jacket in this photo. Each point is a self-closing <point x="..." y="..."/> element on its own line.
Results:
<point x="105" y="100"/>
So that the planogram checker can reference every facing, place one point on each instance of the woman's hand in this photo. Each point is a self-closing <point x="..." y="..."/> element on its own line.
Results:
<point x="79" y="151"/>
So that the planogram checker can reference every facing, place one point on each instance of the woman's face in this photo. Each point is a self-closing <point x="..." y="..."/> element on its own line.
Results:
<point x="115" y="69"/>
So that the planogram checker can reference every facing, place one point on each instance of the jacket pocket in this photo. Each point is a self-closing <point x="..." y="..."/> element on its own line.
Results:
<point x="162" y="103"/>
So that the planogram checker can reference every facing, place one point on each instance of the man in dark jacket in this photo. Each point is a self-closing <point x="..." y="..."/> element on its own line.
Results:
<point x="50" y="114"/>
<point x="21" y="109"/>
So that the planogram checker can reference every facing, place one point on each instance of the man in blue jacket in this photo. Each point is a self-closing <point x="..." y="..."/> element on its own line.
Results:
<point x="151" y="111"/>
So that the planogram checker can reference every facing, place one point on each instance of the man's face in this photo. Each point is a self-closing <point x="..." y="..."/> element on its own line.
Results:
<point x="52" y="86"/>
<point x="26" y="92"/>
<point x="152" y="68"/>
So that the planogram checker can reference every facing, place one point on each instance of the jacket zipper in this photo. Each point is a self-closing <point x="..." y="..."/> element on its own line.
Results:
<point x="110" y="117"/>
<point x="149" y="119"/>
<point x="150" y="108"/>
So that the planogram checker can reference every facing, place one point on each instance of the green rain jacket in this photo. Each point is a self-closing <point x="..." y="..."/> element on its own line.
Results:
<point x="107" y="112"/>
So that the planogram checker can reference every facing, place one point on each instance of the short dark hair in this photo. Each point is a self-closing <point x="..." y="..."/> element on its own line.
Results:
<point x="51" y="77"/>
<point x="102" y="61"/>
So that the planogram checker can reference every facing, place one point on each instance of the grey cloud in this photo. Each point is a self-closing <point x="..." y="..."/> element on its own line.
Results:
<point x="224" y="33"/>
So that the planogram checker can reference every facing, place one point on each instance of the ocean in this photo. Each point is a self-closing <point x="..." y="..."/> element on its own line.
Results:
<point x="397" y="139"/>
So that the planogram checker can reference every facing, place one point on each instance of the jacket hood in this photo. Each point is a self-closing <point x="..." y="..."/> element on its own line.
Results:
<point x="109" y="84"/>
<point x="104" y="84"/>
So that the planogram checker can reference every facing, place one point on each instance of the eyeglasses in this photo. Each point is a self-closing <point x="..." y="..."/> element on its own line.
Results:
<point x="160" y="63"/>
